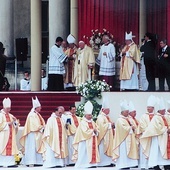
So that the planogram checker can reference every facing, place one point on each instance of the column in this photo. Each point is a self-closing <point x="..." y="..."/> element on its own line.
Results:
<point x="36" y="45"/>
<point x="59" y="20"/>
<point x="6" y="26"/>
<point x="142" y="19"/>
<point x="74" y="18"/>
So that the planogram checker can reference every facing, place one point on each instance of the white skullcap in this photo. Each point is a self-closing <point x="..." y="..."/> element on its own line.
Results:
<point x="129" y="36"/>
<point x="6" y="103"/>
<point x="151" y="101"/>
<point x="168" y="105"/>
<point x="105" y="103"/>
<point x="71" y="39"/>
<point x="124" y="105"/>
<point x="131" y="107"/>
<point x="160" y="104"/>
<point x="88" y="108"/>
<point x="35" y="103"/>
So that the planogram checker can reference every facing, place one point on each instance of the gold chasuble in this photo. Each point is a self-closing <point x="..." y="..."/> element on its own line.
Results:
<point x="75" y="120"/>
<point x="69" y="66"/>
<point x="157" y="127"/>
<point x="8" y="145"/>
<point x="126" y="69"/>
<point x="123" y="132"/>
<point x="83" y="59"/>
<point x="55" y="136"/>
<point x="34" y="123"/>
<point x="85" y="133"/>
<point x="105" y="134"/>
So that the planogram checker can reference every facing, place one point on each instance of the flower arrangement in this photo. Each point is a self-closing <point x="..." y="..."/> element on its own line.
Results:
<point x="96" y="38"/>
<point x="90" y="90"/>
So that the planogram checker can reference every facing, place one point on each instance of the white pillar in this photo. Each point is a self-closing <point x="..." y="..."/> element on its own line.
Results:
<point x="36" y="46"/>
<point x="74" y="18"/>
<point x="6" y="26"/>
<point x="142" y="19"/>
<point x="59" y="17"/>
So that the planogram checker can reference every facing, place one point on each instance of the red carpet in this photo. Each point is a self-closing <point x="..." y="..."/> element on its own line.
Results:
<point x="22" y="102"/>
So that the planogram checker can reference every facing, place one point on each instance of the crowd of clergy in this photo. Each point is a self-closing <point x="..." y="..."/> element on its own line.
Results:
<point x="68" y="140"/>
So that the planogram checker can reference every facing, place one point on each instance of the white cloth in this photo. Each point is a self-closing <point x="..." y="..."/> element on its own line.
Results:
<point x="106" y="63"/>
<point x="132" y="83"/>
<point x="56" y="59"/>
<point x="123" y="161"/>
<point x="50" y="160"/>
<point x="104" y="159"/>
<point x="44" y="82"/>
<point x="7" y="160"/>
<point x="31" y="157"/>
<point x="70" y="149"/>
<point x="83" y="161"/>
<point x="143" y="162"/>
<point x="155" y="157"/>
<point x="25" y="85"/>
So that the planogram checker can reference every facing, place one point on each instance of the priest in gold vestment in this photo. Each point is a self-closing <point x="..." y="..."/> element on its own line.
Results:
<point x="55" y="140"/>
<point x="155" y="140"/>
<point x="144" y="121"/>
<point x="84" y="63"/>
<point x="85" y="144"/>
<point x="106" y="135"/>
<point x="8" y="129"/>
<point x="130" y="61"/>
<point x="31" y="139"/>
<point x="125" y="148"/>
<point x="71" y="52"/>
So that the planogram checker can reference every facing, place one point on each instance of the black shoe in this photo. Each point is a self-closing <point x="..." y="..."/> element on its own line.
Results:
<point x="12" y="166"/>
<point x="71" y="165"/>
<point x="93" y="167"/>
<point x="111" y="165"/>
<point x="37" y="165"/>
<point x="156" y="167"/>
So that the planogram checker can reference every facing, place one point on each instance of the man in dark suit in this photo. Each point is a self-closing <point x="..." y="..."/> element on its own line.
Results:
<point x="2" y="65"/>
<point x="148" y="50"/>
<point x="164" y="65"/>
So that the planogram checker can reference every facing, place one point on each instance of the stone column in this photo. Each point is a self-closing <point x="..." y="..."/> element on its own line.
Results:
<point x="74" y="18"/>
<point x="59" y="20"/>
<point x="6" y="26"/>
<point x="142" y="19"/>
<point x="36" y="45"/>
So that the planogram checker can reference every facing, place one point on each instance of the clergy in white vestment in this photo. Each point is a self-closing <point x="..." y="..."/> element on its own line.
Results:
<point x="55" y="140"/>
<point x="8" y="129"/>
<point x="155" y="140"/>
<point x="125" y="148"/>
<point x="130" y="61"/>
<point x="85" y="144"/>
<point x="106" y="135"/>
<point x="144" y="121"/>
<point x="25" y="83"/>
<point x="106" y="61"/>
<point x="31" y="139"/>
<point x="72" y="124"/>
<point x="84" y="63"/>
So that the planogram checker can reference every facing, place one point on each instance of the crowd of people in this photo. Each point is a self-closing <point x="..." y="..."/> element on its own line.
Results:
<point x="79" y="63"/>
<point x="71" y="65"/>
<point x="68" y="140"/>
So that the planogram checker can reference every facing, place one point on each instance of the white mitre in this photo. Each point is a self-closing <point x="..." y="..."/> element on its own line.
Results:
<point x="129" y="36"/>
<point x="6" y="103"/>
<point x="161" y="104"/>
<point x="131" y="107"/>
<point x="105" y="103"/>
<point x="151" y="101"/>
<point x="35" y="103"/>
<point x="124" y="105"/>
<point x="88" y="108"/>
<point x="71" y="39"/>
